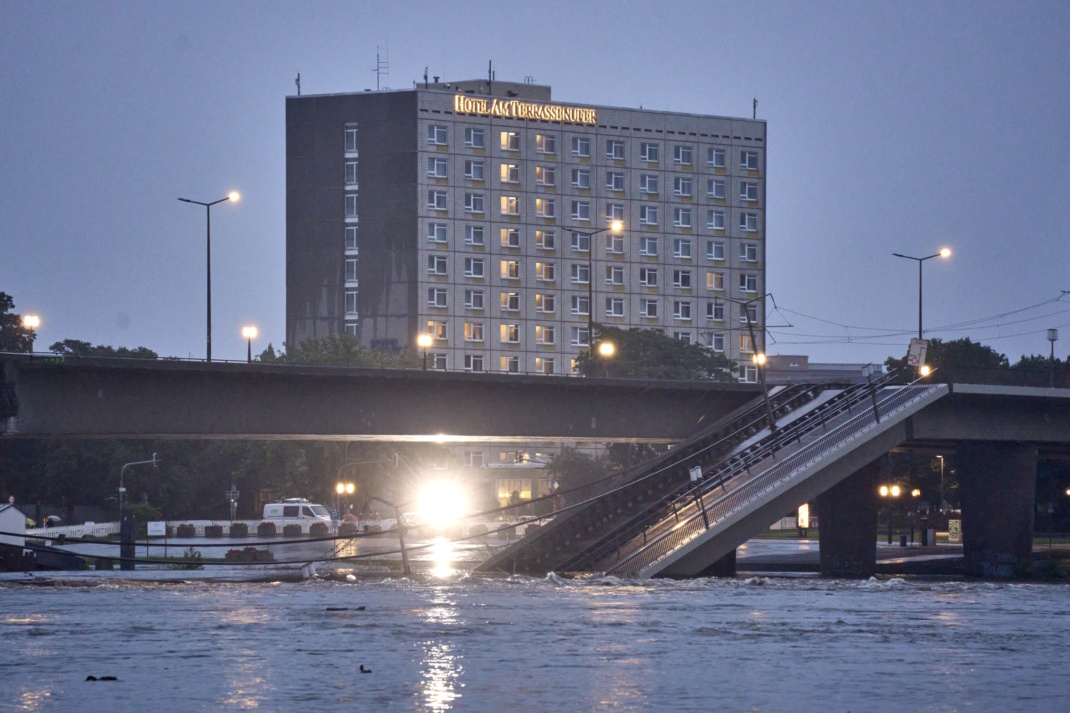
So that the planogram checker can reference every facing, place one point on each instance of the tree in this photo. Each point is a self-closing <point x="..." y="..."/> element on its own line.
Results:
<point x="650" y="354"/>
<point x="76" y="347"/>
<point x="572" y="469"/>
<point x="341" y="350"/>
<point x="957" y="353"/>
<point x="13" y="336"/>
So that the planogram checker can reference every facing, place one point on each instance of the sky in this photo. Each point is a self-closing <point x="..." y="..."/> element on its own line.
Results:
<point x="892" y="127"/>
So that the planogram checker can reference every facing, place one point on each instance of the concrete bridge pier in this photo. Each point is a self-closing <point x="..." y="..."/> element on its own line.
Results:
<point x="997" y="487"/>
<point x="847" y="524"/>
<point x="724" y="567"/>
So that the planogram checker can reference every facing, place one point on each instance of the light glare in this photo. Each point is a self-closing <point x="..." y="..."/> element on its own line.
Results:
<point x="946" y="252"/>
<point x="249" y="332"/>
<point x="234" y="196"/>
<point x="441" y="503"/>
<point x="607" y="349"/>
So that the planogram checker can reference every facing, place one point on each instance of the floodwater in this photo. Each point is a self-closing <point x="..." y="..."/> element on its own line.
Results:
<point x="468" y="643"/>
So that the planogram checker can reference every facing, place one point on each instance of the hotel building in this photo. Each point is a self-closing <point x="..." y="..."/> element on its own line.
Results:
<point x="478" y="212"/>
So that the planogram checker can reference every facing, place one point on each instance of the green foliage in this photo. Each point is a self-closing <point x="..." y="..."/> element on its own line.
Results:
<point x="573" y="469"/>
<point x="76" y="347"/>
<point x="143" y="512"/>
<point x="650" y="354"/>
<point x="341" y="350"/>
<point x="957" y="353"/>
<point x="13" y="336"/>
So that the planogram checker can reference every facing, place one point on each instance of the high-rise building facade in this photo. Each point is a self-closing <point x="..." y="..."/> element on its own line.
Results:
<point x="479" y="213"/>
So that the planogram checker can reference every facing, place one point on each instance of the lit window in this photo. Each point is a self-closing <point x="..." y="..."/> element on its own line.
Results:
<point x="581" y="146"/>
<point x="436" y="232"/>
<point x="748" y="160"/>
<point x="436" y="297"/>
<point x="510" y="269"/>
<point x="648" y="276"/>
<point x="715" y="188"/>
<point x="714" y="280"/>
<point x="648" y="183"/>
<point x="473" y="331"/>
<point x="546" y="175"/>
<point x="510" y="333"/>
<point x="681" y="309"/>
<point x="436" y="200"/>
<point x="351" y="174"/>
<point x="545" y="143"/>
<point x="614" y="275"/>
<point x="510" y="237"/>
<point x="748" y="282"/>
<point x="581" y="210"/>
<point x="748" y="191"/>
<point x="436" y="264"/>
<point x="510" y="173"/>
<point x="614" y="306"/>
<point x="581" y="274"/>
<point x="473" y="138"/>
<point x="510" y="141"/>
<point x="545" y="207"/>
<point x="681" y="279"/>
<point x="436" y="134"/>
<point x="581" y="243"/>
<point x="473" y="202"/>
<point x="648" y="308"/>
<point x="681" y="217"/>
<point x="510" y="205"/>
<point x="715" y="157"/>
<point x="544" y="365"/>
<point x="545" y="239"/>
<point x="473" y="170"/>
<point x="473" y="235"/>
<point x="649" y="152"/>
<point x="715" y="219"/>
<point x="544" y="271"/>
<point x="714" y="250"/>
<point x="473" y="267"/>
<point x="648" y="215"/>
<point x="681" y="155"/>
<point x="681" y="247"/>
<point x="648" y="245"/>
<point x="510" y="301"/>
<point x="614" y="181"/>
<point x="581" y="178"/>
<point x="473" y="299"/>
<point x="510" y="364"/>
<point x="545" y="333"/>
<point x="615" y="149"/>
<point x="580" y="304"/>
<point x="438" y="329"/>
<point x="473" y="362"/>
<point x="578" y="336"/>
<point x="745" y="344"/>
<point x="544" y="302"/>
<point x="436" y="167"/>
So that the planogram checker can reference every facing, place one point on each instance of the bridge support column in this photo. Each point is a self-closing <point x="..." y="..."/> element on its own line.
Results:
<point x="724" y="567"/>
<point x="847" y="525"/>
<point x="997" y="487"/>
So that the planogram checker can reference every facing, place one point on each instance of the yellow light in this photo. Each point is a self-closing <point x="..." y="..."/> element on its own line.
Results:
<point x="884" y="491"/>
<point x="915" y="493"/>
<point x="895" y="491"/>
<point x="759" y="358"/>
<point x="607" y="349"/>
<point x="616" y="226"/>
<point x="925" y="370"/>
<point x="440" y="503"/>
<point x="31" y="321"/>
<point x="350" y="488"/>
<point x="234" y="196"/>
<point x="803" y="520"/>
<point x="946" y="252"/>
<point x="249" y="332"/>
<point x="340" y="488"/>
<point x="423" y="341"/>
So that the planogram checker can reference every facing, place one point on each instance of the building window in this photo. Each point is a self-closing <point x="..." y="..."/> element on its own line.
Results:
<point x="545" y="143"/>
<point x="546" y="175"/>
<point x="748" y="252"/>
<point x="715" y="157"/>
<point x="715" y="188"/>
<point x="473" y="362"/>
<point x="473" y="299"/>
<point x="581" y="210"/>
<point x="436" y="297"/>
<point x="473" y="138"/>
<point x="714" y="280"/>
<point x="684" y="337"/>
<point x="748" y="314"/>
<point x="510" y="206"/>
<point x="544" y="365"/>
<point x="436" y="264"/>
<point x="681" y="217"/>
<point x="748" y="282"/>
<point x="473" y="331"/>
<point x="351" y="238"/>
<point x="681" y="186"/>
<point x="614" y="275"/>
<point x="578" y="336"/>
<point x="581" y="147"/>
<point x="351" y="302"/>
<point x="750" y="374"/>
<point x="545" y="333"/>
<point x="581" y="243"/>
<point x="715" y="311"/>
<point x="648" y="215"/>
<point x="510" y="141"/>
<point x="510" y="173"/>
<point x="473" y="267"/>
<point x="473" y="459"/>
<point x="614" y="306"/>
<point x="436" y="232"/>
<point x="746" y="346"/>
<point x="510" y="237"/>
<point x="715" y="219"/>
<point x="681" y="247"/>
<point x="436" y="167"/>
<point x="473" y="235"/>
<point x="473" y="170"/>
<point x="436" y="134"/>
<point x="614" y="211"/>
<point x="648" y="276"/>
<point x="510" y="364"/>
<point x="438" y="361"/>
<point x="649" y="152"/>
<point x="473" y="202"/>
<point x="648" y="245"/>
<point x="648" y="308"/>
<point x="544" y="302"/>
<point x="351" y="328"/>
<point x="681" y="279"/>
<point x="351" y="140"/>
<point x="510" y="301"/>
<point x="581" y="274"/>
<point x="614" y="243"/>
<point x="510" y="269"/>
<point x="545" y="207"/>
<point x="545" y="239"/>
<point x="544" y="271"/>
<point x="714" y="250"/>
<point x="748" y="160"/>
<point x="436" y="200"/>
<point x="438" y="329"/>
<point x="681" y="155"/>
<point x="351" y="174"/>
<point x="748" y="222"/>
<point x="648" y="183"/>
<point x="681" y="309"/>
<point x="614" y="181"/>
<point x="715" y="341"/>
<point x="581" y="178"/>
<point x="615" y="149"/>
<point x="748" y="191"/>
<point x="580" y="304"/>
<point x="351" y="270"/>
<point x="351" y="205"/>
<point x="510" y="333"/>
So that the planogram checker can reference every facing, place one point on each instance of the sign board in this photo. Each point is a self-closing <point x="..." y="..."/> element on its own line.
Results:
<point x="954" y="531"/>
<point x="157" y="529"/>
<point x="916" y="352"/>
<point x="515" y="109"/>
<point x="803" y="521"/>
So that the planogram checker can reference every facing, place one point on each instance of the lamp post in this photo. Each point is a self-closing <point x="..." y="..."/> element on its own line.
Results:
<point x="759" y="354"/>
<point x="1053" y="336"/>
<point x="889" y="493"/>
<point x="616" y="227"/>
<point x="31" y="322"/>
<point x="944" y="253"/>
<point x="232" y="196"/>
<point x="424" y="342"/>
<point x="249" y="332"/>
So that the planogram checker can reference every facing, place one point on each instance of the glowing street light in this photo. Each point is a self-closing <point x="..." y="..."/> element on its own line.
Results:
<point x="424" y="342"/>
<point x="925" y="370"/>
<point x="233" y="197"/>
<point x="892" y="492"/>
<point x="31" y="322"/>
<point x="944" y="253"/>
<point x="607" y="349"/>
<point x="616" y="227"/>
<point x="249" y="332"/>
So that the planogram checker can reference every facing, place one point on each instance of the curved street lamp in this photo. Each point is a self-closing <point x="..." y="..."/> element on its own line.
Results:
<point x="616" y="227"/>
<point x="424" y="342"/>
<point x="233" y="196"/>
<point x="31" y="322"/>
<point x="944" y="253"/>
<point x="249" y="332"/>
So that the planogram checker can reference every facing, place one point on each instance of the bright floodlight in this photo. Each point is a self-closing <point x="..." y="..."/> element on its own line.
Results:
<point x="340" y="488"/>
<point x="946" y="252"/>
<point x="884" y="491"/>
<point x="441" y="503"/>
<point x="350" y="488"/>
<point x="759" y="358"/>
<point x="249" y="332"/>
<point x="234" y="196"/>
<point x="616" y="226"/>
<point x="31" y="321"/>
<point x="895" y="491"/>
<point x="925" y="370"/>
<point x="915" y="493"/>
<point x="423" y="341"/>
<point x="607" y="349"/>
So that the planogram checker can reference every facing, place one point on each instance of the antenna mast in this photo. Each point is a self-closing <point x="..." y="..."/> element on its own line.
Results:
<point x="298" y="83"/>
<point x="382" y="67"/>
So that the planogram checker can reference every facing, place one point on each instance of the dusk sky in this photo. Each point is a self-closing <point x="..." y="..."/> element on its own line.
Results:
<point x="893" y="127"/>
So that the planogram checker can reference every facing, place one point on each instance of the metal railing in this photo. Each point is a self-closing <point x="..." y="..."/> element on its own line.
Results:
<point x="708" y="516"/>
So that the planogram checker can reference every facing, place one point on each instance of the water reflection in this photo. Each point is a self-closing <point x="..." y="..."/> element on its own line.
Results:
<point x="441" y="663"/>
<point x="32" y="700"/>
<point x="442" y="558"/>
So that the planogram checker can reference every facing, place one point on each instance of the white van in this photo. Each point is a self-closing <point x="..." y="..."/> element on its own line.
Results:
<point x="296" y="509"/>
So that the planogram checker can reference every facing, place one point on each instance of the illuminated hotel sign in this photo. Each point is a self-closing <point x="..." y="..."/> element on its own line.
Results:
<point x="514" y="109"/>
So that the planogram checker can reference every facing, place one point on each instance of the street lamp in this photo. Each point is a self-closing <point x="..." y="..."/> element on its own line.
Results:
<point x="249" y="332"/>
<point x="944" y="253"/>
<point x="232" y="196"/>
<point x="31" y="322"/>
<point x="1053" y="336"/>
<point x="616" y="227"/>
<point x="424" y="342"/>
<point x="889" y="492"/>
<point x="342" y="489"/>
<point x="941" y="483"/>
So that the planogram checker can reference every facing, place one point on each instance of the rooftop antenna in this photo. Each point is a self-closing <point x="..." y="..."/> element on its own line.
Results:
<point x="382" y="66"/>
<point x="754" y="115"/>
<point x="425" y="77"/>
<point x="490" y="76"/>
<point x="298" y="83"/>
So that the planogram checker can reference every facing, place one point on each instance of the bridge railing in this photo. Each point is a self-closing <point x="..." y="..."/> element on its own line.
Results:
<point x="717" y="511"/>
